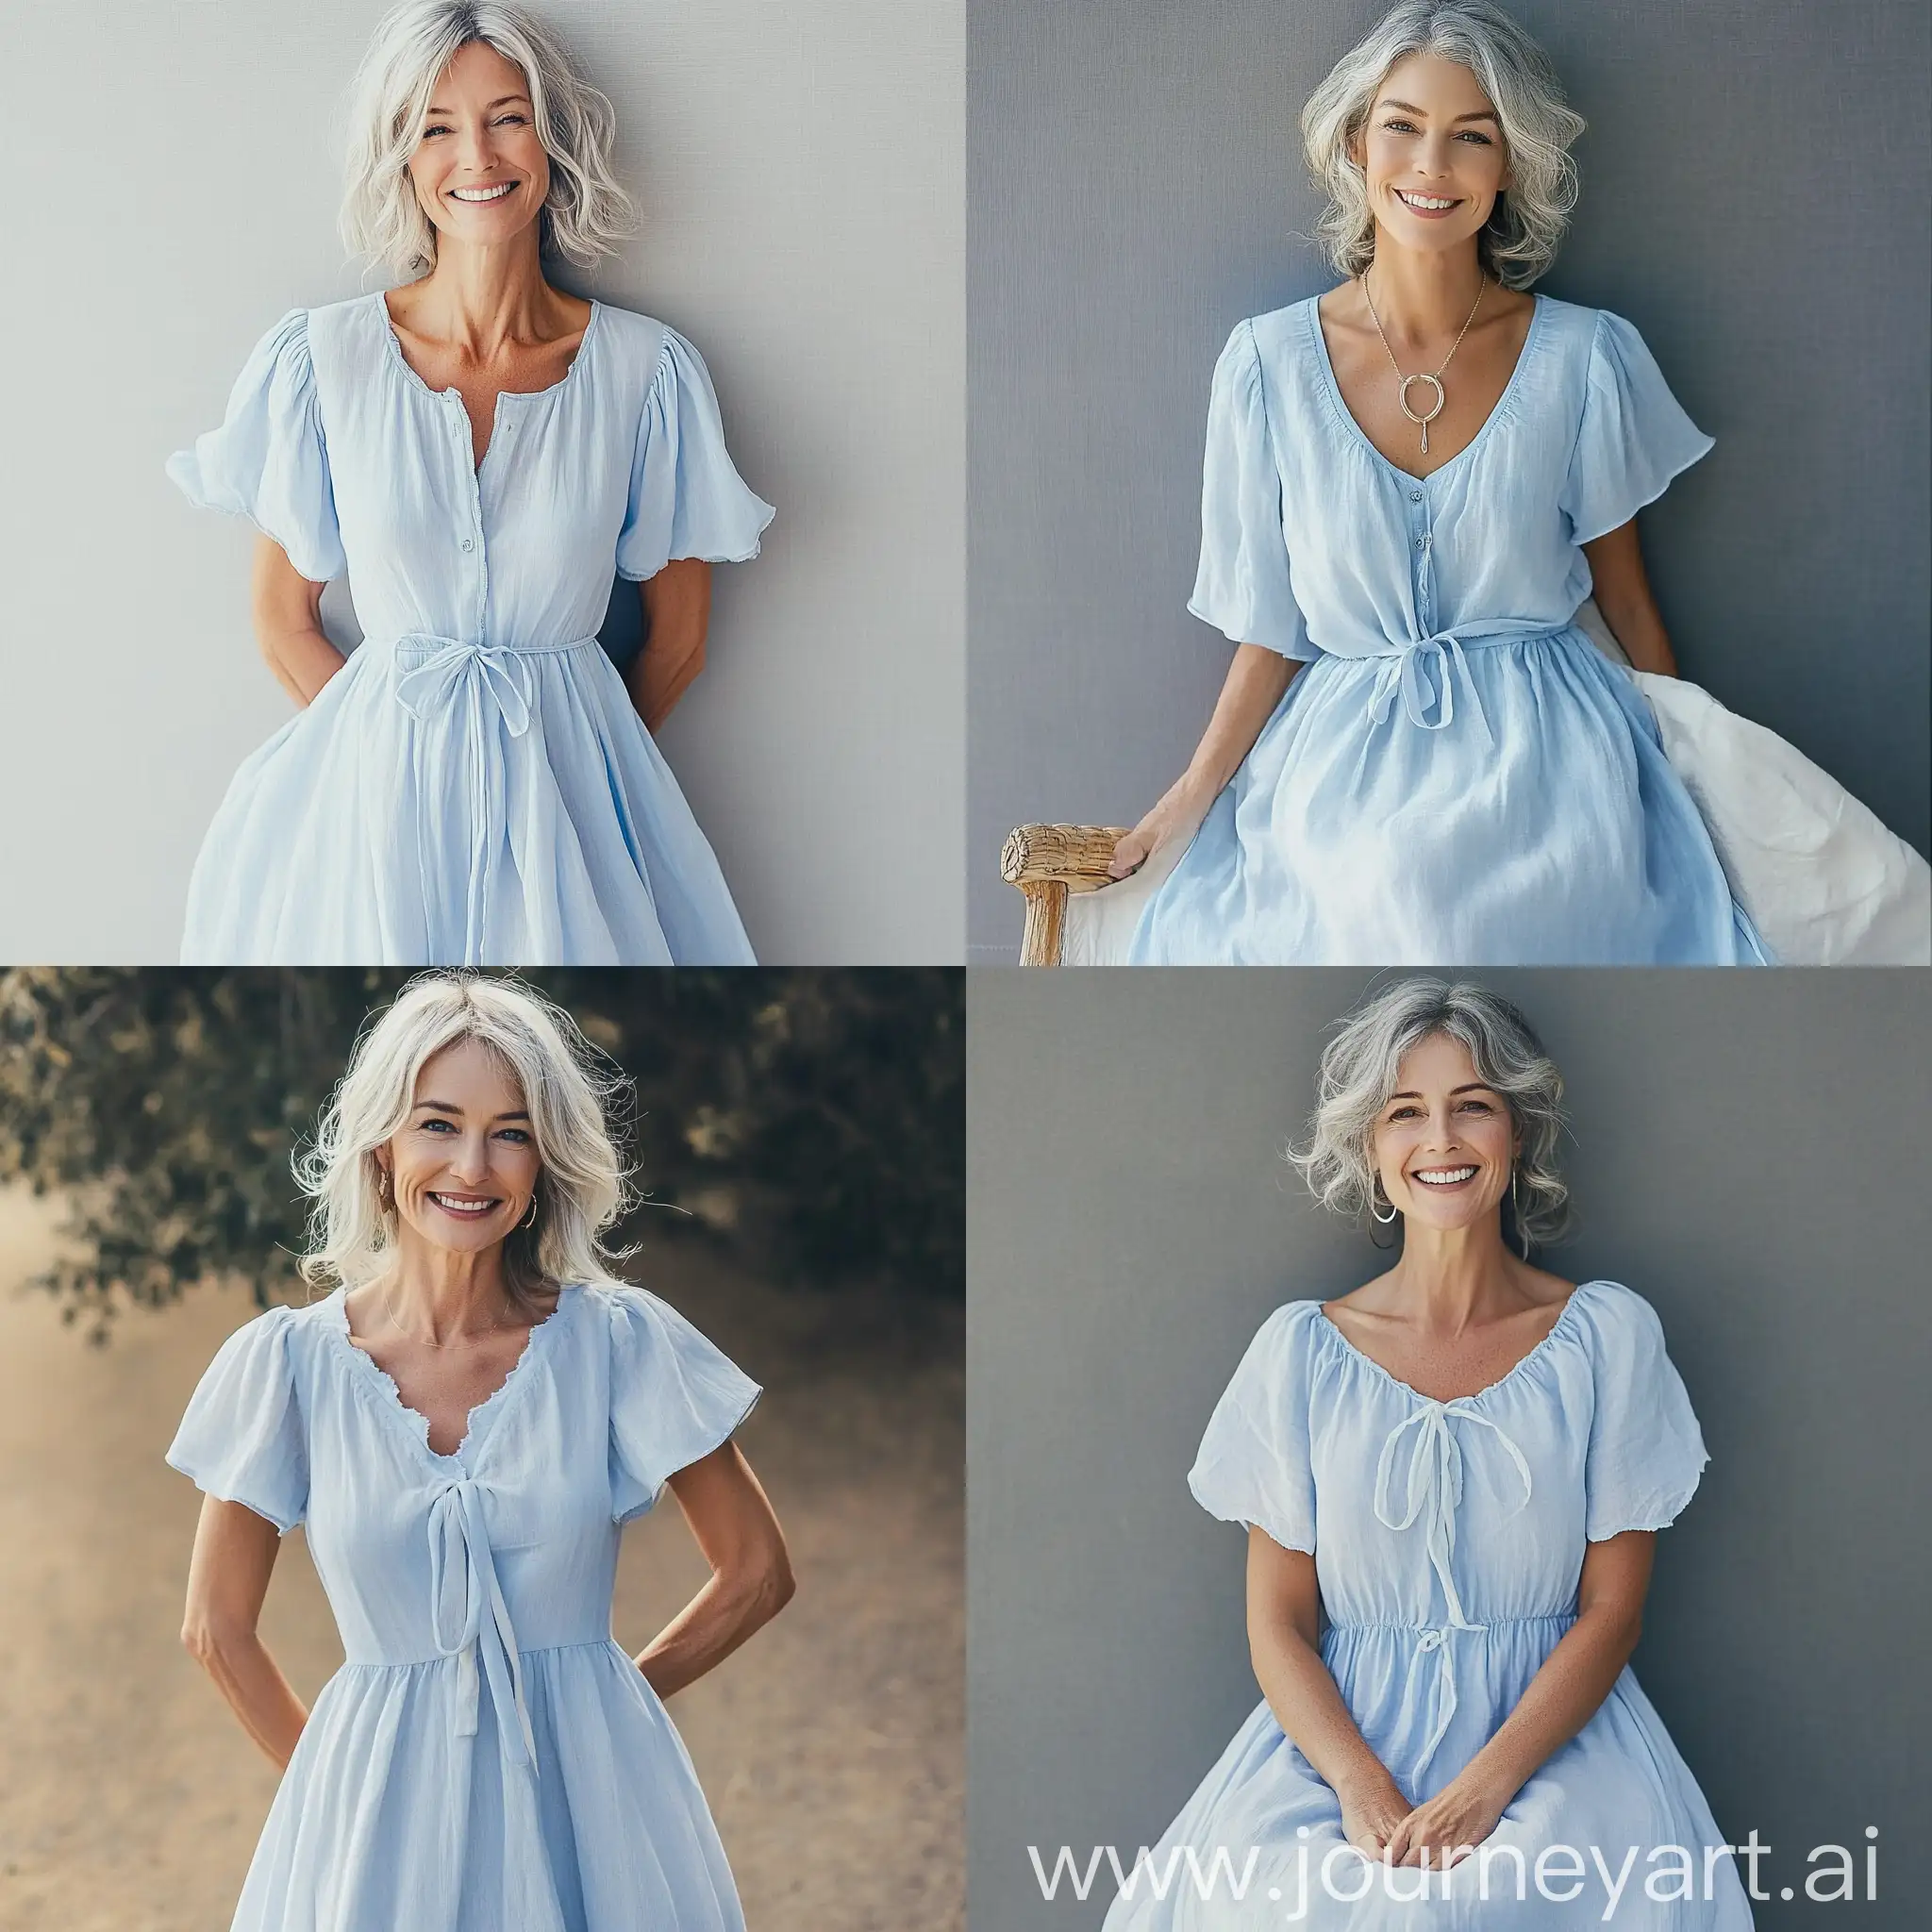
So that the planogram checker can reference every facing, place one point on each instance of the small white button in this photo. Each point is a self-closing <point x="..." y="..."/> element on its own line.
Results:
<point x="469" y="543"/>
<point x="1415" y="497"/>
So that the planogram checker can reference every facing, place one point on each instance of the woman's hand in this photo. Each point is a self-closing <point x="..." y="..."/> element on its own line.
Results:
<point x="1373" y="1812"/>
<point x="1177" y="817"/>
<point x="1451" y="1824"/>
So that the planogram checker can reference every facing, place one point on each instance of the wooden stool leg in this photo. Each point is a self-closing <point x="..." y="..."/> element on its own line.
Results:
<point x="1046" y="908"/>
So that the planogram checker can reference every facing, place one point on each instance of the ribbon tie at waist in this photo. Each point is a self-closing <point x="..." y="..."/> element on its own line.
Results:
<point x="460" y="1561"/>
<point x="1435" y="1494"/>
<point x="1423" y="672"/>
<point x="452" y="668"/>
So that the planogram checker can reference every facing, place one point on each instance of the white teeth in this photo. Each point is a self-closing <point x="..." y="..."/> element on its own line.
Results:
<point x="1445" y="1176"/>
<point x="1424" y="201"/>
<point x="482" y="194"/>
<point x="450" y="1204"/>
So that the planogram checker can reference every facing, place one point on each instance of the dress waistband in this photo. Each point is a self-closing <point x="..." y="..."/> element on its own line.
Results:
<point x="1422" y="672"/>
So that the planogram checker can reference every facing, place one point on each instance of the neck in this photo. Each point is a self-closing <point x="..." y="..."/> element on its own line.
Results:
<point x="1421" y="297"/>
<point x="477" y="299"/>
<point x="439" y="1295"/>
<point x="1453" y="1277"/>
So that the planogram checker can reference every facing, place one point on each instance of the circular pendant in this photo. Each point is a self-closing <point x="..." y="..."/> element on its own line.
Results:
<point x="1402" y="397"/>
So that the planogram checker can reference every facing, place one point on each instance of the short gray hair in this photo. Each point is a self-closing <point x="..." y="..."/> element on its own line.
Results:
<point x="587" y="212"/>
<point x="1358" y="1072"/>
<point x="1520" y="239"/>
<point x="582" y="1185"/>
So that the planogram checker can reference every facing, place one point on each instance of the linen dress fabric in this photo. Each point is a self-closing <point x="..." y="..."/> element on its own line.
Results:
<point x="1457" y="778"/>
<point x="473" y="787"/>
<point x="488" y="1759"/>
<point x="1450" y="1537"/>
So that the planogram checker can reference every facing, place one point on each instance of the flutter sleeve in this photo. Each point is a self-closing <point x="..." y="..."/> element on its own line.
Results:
<point x="269" y="460"/>
<point x="1241" y="586"/>
<point x="1634" y="436"/>
<point x="1255" y="1467"/>
<point x="687" y="499"/>
<point x="1646" y="1452"/>
<point x="674" y="1398"/>
<point x="242" y="1439"/>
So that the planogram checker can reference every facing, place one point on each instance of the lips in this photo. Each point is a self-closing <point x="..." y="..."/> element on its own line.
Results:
<point x="1443" y="204"/>
<point x="467" y="1207"/>
<point x="482" y="196"/>
<point x="1444" y="1180"/>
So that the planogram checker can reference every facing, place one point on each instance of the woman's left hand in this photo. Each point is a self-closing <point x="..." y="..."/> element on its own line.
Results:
<point x="1451" y="1824"/>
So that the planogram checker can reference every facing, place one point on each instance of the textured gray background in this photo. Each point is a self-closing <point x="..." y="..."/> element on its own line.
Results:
<point x="1746" y="1154"/>
<point x="174" y="190"/>
<point x="1755" y="178"/>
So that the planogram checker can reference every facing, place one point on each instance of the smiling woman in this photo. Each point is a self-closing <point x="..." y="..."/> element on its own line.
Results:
<point x="465" y="1424"/>
<point x="480" y="450"/>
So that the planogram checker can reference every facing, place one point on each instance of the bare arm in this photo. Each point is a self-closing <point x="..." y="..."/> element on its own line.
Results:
<point x="1622" y="590"/>
<point x="751" y="1572"/>
<point x="1562" y="1697"/>
<point x="1284" y="1638"/>
<point x="677" y="613"/>
<point x="227" y="1578"/>
<point x="1255" y="683"/>
<point x="287" y="610"/>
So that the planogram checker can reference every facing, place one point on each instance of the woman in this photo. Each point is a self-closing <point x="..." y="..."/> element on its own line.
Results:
<point x="479" y="451"/>
<point x="465" y="1424"/>
<point x="1412" y="483"/>
<point x="1462" y="1466"/>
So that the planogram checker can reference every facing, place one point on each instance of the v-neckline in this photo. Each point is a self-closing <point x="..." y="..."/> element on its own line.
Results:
<point x="503" y="395"/>
<point x="1361" y="435"/>
<point x="382" y="1385"/>
<point x="1508" y="1376"/>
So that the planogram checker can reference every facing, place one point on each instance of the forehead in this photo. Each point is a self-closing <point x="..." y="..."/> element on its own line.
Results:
<point x="469" y="1071"/>
<point x="477" y="70"/>
<point x="1431" y="81"/>
<point x="1435" y="1063"/>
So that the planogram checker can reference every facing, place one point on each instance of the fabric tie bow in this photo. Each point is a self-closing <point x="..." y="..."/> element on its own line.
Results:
<point x="454" y="668"/>
<point x="461" y="1567"/>
<point x="1424" y="673"/>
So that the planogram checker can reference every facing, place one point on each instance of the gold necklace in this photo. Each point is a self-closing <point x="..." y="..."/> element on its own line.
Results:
<point x="1434" y="381"/>
<point x="388" y="1309"/>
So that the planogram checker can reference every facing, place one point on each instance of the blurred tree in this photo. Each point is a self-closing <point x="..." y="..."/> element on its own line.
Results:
<point x="813" y="1117"/>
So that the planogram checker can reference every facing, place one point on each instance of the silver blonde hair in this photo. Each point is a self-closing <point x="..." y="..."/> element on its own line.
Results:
<point x="1520" y="239"/>
<point x="1359" y="1074"/>
<point x="582" y="1185"/>
<point x="587" y="212"/>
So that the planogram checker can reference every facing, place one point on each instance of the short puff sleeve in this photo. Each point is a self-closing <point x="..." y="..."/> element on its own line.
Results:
<point x="1646" y="1452"/>
<point x="685" y="498"/>
<point x="242" y="1439"/>
<point x="269" y="460"/>
<point x="1634" y="436"/>
<point x="1242" y="586"/>
<point x="674" y="1398"/>
<point x="1253" y="1467"/>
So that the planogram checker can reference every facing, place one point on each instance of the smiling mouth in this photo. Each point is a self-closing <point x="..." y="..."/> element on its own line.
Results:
<point x="1428" y="204"/>
<point x="475" y="195"/>
<point x="1444" y="1177"/>
<point x="468" y="1206"/>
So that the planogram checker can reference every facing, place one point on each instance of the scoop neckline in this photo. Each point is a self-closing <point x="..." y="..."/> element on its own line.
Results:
<point x="1498" y="409"/>
<point x="1489" y="1388"/>
<point x="380" y="297"/>
<point x="382" y="1385"/>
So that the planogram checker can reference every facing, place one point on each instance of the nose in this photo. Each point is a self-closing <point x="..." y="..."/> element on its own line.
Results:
<point x="469" y="1160"/>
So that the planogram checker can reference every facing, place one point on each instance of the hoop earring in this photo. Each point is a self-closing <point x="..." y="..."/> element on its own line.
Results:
<point x="385" y="1191"/>
<point x="1376" y="1194"/>
<point x="1516" y="1208"/>
<point x="530" y="1218"/>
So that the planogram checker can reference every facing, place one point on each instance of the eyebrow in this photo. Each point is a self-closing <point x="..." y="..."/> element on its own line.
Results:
<point x="502" y="101"/>
<point x="444" y="1107"/>
<point x="1466" y="1087"/>
<point x="1480" y="113"/>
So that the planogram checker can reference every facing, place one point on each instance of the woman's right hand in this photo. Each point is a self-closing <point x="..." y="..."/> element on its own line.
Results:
<point x="1371" y="1812"/>
<point x="1177" y="816"/>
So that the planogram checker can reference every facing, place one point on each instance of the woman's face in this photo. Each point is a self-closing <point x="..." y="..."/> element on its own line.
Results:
<point x="480" y="173"/>
<point x="463" y="1166"/>
<point x="1432" y="151"/>
<point x="1444" y="1144"/>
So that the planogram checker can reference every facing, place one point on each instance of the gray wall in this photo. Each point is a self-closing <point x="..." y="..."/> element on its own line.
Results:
<point x="1750" y="186"/>
<point x="1746" y="1154"/>
<point x="801" y="170"/>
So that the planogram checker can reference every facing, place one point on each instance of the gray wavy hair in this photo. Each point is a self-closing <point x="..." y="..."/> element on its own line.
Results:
<point x="582" y="1185"/>
<point x="587" y="212"/>
<point x="1520" y="239"/>
<point x="1358" y="1072"/>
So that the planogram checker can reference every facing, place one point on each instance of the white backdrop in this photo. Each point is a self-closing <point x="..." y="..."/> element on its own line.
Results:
<point x="800" y="168"/>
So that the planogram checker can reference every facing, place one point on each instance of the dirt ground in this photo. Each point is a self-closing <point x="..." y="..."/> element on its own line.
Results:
<point x="832" y="1747"/>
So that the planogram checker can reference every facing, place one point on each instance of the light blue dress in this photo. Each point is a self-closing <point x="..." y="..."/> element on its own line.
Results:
<point x="1459" y="777"/>
<point x="488" y="1759"/>
<point x="474" y="786"/>
<point x="1449" y="1538"/>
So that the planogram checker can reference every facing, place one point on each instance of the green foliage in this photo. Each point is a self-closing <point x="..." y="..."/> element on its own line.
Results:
<point x="815" y="1117"/>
